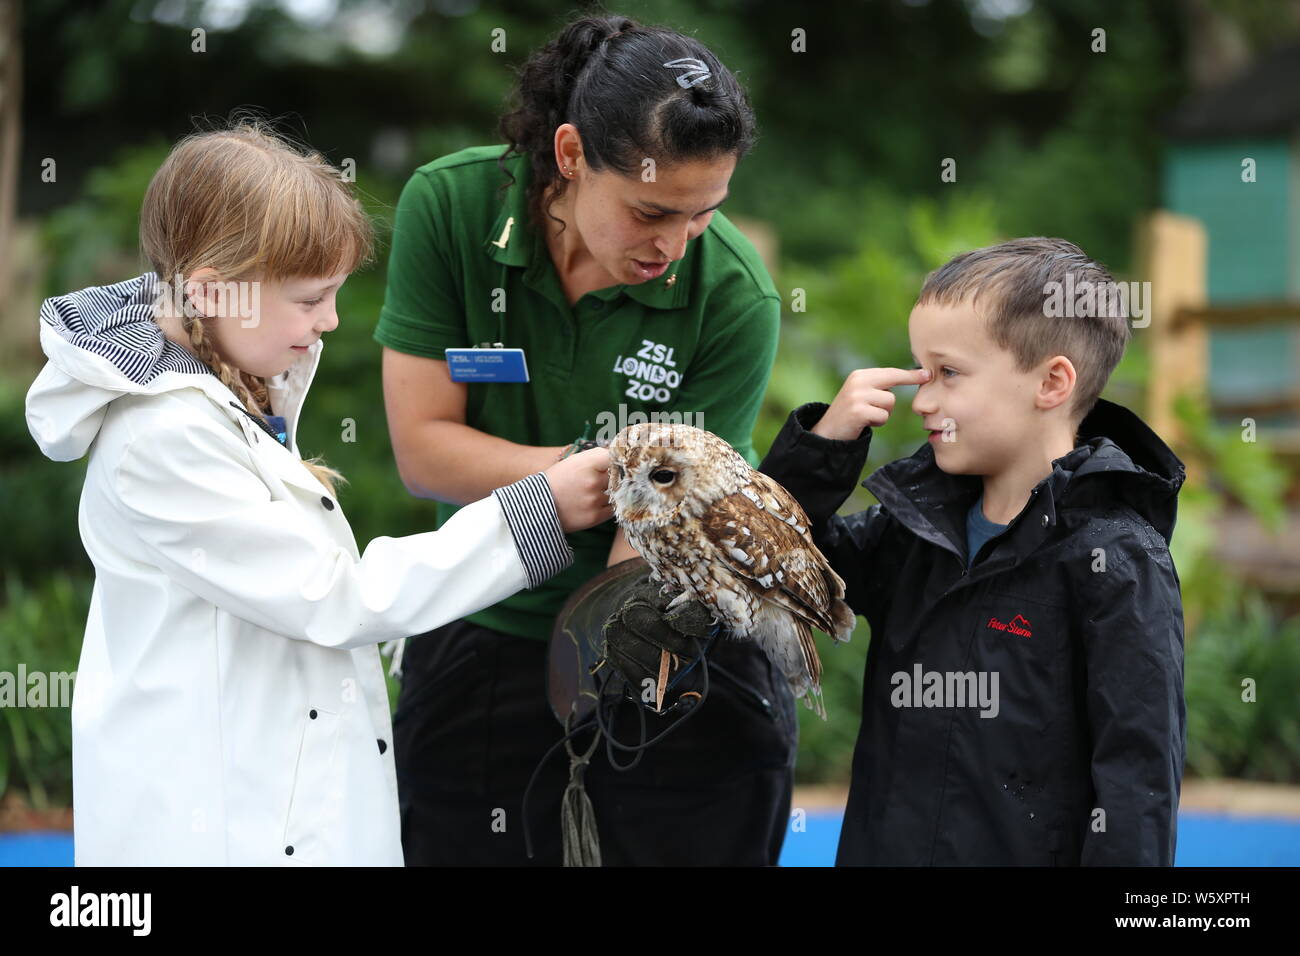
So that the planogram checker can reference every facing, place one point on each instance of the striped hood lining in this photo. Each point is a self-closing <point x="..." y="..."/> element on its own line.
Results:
<point x="116" y="322"/>
<point x="103" y="343"/>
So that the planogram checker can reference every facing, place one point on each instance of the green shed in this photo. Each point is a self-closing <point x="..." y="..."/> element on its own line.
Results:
<point x="1233" y="162"/>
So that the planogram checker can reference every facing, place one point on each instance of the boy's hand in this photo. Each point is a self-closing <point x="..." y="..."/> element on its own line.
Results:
<point x="578" y="484"/>
<point x="863" y="400"/>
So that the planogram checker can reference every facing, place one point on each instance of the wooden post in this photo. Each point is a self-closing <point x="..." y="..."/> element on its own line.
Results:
<point x="1173" y="250"/>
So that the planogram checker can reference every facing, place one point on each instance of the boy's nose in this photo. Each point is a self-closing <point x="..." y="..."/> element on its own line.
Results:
<point x="922" y="404"/>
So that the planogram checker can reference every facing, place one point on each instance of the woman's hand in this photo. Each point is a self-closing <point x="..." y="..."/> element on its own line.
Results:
<point x="578" y="484"/>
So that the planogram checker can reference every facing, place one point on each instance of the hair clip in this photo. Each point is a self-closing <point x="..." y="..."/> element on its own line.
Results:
<point x="696" y="71"/>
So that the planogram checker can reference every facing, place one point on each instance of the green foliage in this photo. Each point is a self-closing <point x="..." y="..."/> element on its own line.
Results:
<point x="95" y="240"/>
<point x="1233" y="635"/>
<point x="1235" y="471"/>
<point x="1228" y="736"/>
<point x="1244" y="471"/>
<point x="40" y="497"/>
<point x="826" y="746"/>
<point x="41" y="627"/>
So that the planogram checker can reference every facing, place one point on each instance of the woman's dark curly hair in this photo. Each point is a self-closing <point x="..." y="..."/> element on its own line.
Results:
<point x="606" y="76"/>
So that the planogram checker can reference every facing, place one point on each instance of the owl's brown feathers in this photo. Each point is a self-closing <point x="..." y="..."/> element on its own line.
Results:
<point x="722" y="533"/>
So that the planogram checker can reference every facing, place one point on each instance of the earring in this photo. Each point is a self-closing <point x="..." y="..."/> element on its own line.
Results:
<point x="566" y="170"/>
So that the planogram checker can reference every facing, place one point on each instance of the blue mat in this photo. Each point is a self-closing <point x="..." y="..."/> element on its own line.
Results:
<point x="1204" y="839"/>
<point x="35" y="849"/>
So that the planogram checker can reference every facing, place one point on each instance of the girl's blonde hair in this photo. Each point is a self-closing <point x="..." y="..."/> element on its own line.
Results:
<point x="250" y="204"/>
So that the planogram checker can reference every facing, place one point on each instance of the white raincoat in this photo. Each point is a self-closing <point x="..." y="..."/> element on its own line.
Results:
<point x="230" y="704"/>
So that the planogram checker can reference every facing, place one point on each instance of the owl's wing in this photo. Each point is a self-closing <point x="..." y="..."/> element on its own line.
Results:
<point x="762" y="534"/>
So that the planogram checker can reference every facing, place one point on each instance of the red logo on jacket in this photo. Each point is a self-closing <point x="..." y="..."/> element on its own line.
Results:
<point x="1019" y="625"/>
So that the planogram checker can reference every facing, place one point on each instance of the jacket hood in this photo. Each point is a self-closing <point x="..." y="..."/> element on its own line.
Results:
<point x="1129" y="463"/>
<point x="102" y="343"/>
<point x="1119" y="459"/>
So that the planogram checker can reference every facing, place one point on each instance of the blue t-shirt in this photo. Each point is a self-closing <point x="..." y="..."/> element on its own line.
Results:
<point x="279" y="426"/>
<point x="979" y="529"/>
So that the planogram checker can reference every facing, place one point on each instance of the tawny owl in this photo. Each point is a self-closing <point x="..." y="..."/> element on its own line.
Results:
<point x="722" y="533"/>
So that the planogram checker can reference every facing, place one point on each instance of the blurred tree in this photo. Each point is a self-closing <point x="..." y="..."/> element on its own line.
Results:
<point x="11" y="104"/>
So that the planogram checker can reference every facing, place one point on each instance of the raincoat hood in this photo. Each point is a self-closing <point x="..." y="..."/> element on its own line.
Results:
<point x="1122" y="458"/>
<point x="103" y="342"/>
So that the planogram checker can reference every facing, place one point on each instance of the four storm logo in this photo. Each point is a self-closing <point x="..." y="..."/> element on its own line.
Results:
<point x="1018" y="625"/>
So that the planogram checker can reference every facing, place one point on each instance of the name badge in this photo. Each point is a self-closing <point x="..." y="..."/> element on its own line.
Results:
<point x="487" y="365"/>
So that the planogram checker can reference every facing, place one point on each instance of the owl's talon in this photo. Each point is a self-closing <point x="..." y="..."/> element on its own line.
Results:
<point x="677" y="601"/>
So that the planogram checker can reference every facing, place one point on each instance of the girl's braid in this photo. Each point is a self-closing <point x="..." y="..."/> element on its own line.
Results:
<point x="250" y="388"/>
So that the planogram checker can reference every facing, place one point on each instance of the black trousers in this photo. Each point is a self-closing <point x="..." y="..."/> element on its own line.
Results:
<point x="472" y="722"/>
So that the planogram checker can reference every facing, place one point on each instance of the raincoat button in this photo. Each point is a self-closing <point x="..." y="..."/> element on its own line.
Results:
<point x="288" y="851"/>
<point x="382" y="746"/>
<point x="1045" y="519"/>
<point x="329" y="505"/>
<point x="312" y="715"/>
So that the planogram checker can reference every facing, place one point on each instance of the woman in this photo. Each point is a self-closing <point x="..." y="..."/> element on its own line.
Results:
<point x="607" y="263"/>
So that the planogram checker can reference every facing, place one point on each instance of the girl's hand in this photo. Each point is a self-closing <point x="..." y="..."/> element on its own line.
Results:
<point x="863" y="401"/>
<point x="578" y="484"/>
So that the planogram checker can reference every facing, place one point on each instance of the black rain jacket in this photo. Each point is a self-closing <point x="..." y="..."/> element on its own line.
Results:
<point x="1075" y="607"/>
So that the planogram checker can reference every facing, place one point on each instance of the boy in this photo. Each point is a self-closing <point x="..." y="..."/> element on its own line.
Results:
<point x="1023" y="696"/>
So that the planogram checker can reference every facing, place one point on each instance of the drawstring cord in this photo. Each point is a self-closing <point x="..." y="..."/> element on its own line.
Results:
<point x="577" y="817"/>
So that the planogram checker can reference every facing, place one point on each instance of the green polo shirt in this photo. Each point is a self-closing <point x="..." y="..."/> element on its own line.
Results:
<point x="466" y="267"/>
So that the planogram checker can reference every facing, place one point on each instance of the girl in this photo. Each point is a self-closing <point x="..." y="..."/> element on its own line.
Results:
<point x="230" y="706"/>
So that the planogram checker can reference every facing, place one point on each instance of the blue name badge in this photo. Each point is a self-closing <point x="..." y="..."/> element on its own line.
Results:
<point x="487" y="365"/>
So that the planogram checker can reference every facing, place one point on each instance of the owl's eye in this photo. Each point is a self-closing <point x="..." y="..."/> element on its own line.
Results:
<point x="663" y="476"/>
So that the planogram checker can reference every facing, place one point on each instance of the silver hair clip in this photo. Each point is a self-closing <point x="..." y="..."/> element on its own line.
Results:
<point x="696" y="71"/>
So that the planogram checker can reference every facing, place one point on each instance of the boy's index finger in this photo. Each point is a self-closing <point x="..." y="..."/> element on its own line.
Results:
<point x="894" y="377"/>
